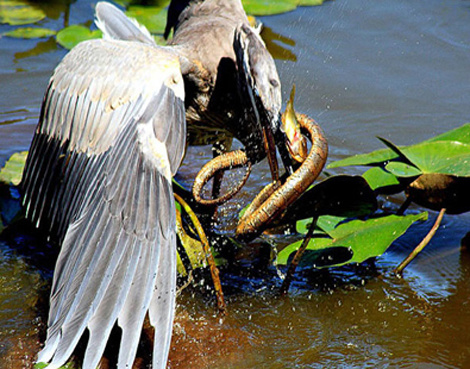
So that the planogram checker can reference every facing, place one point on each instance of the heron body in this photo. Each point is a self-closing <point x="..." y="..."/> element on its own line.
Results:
<point x="111" y="134"/>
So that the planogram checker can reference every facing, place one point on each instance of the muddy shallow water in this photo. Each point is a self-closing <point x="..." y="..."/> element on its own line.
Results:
<point x="363" y="68"/>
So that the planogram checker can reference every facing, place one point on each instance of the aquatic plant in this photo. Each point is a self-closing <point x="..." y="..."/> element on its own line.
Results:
<point x="434" y="174"/>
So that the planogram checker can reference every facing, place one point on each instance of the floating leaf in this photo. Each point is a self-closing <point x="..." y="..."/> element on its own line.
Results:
<point x="30" y="32"/>
<point x="153" y="18"/>
<point x="377" y="178"/>
<point x="269" y="7"/>
<point x="375" y="157"/>
<point x="400" y="169"/>
<point x="326" y="223"/>
<point x="19" y="12"/>
<point x="72" y="35"/>
<point x="460" y="134"/>
<point x="310" y="2"/>
<point x="443" y="157"/>
<point x="360" y="239"/>
<point x="12" y="172"/>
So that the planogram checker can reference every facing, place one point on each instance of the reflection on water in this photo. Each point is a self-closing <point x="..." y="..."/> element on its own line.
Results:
<point x="362" y="68"/>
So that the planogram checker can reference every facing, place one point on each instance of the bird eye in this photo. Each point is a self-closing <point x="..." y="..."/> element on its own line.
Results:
<point x="274" y="83"/>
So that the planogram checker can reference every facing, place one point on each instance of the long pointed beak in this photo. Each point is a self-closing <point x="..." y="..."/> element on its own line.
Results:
<point x="282" y="145"/>
<point x="270" y="149"/>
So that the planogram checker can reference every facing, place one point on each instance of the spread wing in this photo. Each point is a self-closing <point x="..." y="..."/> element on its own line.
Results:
<point x="98" y="178"/>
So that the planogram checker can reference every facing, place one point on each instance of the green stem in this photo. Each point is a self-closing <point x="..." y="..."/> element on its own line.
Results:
<point x="296" y="259"/>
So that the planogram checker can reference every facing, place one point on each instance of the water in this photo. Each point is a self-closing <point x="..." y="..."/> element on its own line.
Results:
<point x="395" y="69"/>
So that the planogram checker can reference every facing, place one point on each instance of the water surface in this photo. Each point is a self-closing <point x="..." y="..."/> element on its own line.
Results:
<point x="396" y="69"/>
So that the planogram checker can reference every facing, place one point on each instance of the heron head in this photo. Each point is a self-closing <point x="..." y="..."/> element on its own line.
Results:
<point x="258" y="77"/>
<point x="260" y="88"/>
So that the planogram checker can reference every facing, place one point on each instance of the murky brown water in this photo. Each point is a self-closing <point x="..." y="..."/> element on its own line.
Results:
<point x="397" y="69"/>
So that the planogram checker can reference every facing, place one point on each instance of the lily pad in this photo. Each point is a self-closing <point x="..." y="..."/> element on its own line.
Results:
<point x="153" y="18"/>
<point x="73" y="35"/>
<point x="400" y="169"/>
<point x="460" y="134"/>
<point x="363" y="238"/>
<point x="19" y="12"/>
<point x="30" y="32"/>
<point x="269" y="7"/>
<point x="443" y="157"/>
<point x="373" y="158"/>
<point x="378" y="178"/>
<point x="310" y="2"/>
<point x="12" y="172"/>
<point x="325" y="223"/>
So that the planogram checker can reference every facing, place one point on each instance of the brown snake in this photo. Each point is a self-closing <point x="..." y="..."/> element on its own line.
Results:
<point x="275" y="197"/>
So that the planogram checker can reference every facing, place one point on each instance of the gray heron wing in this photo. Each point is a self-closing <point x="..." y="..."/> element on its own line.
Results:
<point x="111" y="135"/>
<point x="116" y="25"/>
<point x="97" y="87"/>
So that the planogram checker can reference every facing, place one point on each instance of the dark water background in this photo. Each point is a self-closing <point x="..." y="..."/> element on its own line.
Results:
<point x="364" y="68"/>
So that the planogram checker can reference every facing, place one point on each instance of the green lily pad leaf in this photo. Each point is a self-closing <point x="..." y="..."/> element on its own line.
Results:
<point x="460" y="134"/>
<point x="399" y="169"/>
<point x="310" y="2"/>
<point x="269" y="7"/>
<point x="12" y="172"/>
<point x="442" y="157"/>
<point x="365" y="239"/>
<point x="30" y="32"/>
<point x="153" y="18"/>
<point x="325" y="223"/>
<point x="19" y="12"/>
<point x="375" y="157"/>
<point x="73" y="35"/>
<point x="377" y="178"/>
<point x="341" y="195"/>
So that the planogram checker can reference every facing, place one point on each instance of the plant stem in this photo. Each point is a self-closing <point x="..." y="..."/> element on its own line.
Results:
<point x="404" y="206"/>
<point x="208" y="253"/>
<point x="296" y="259"/>
<point x="399" y="270"/>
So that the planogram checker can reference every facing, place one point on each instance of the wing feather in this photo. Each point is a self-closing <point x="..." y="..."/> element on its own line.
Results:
<point x="99" y="178"/>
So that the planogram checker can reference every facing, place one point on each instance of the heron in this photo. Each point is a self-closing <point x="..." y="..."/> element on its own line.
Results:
<point x="111" y="134"/>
